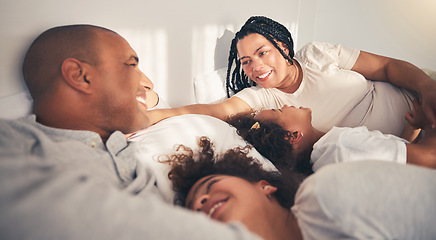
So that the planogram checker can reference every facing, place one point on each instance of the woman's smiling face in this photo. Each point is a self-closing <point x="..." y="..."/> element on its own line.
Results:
<point x="262" y="62"/>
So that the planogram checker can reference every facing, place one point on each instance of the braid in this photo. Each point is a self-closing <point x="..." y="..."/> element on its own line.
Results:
<point x="271" y="30"/>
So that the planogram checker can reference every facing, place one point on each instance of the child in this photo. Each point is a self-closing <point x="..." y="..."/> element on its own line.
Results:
<point x="287" y="133"/>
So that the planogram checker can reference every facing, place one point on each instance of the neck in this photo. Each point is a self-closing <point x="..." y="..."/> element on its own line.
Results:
<point x="287" y="228"/>
<point x="295" y="78"/>
<point x="63" y="118"/>
<point x="315" y="136"/>
<point x="281" y="225"/>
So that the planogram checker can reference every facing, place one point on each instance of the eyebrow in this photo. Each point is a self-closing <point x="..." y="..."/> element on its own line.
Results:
<point x="253" y="53"/>
<point x="190" y="203"/>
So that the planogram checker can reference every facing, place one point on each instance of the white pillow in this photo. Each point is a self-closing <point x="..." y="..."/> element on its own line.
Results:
<point x="211" y="87"/>
<point x="430" y="73"/>
<point x="162" y="139"/>
<point x="16" y="106"/>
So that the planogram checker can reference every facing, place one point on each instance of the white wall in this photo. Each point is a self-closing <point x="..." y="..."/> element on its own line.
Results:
<point x="175" y="40"/>
<point x="401" y="29"/>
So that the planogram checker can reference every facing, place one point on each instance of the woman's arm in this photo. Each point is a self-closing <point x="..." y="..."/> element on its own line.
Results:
<point x="220" y="110"/>
<point x="401" y="74"/>
<point x="423" y="153"/>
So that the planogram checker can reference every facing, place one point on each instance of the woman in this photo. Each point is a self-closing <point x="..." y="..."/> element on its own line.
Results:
<point x="330" y="79"/>
<point x="287" y="138"/>
<point x="234" y="187"/>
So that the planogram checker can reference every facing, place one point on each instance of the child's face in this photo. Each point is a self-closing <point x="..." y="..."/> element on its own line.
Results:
<point x="289" y="118"/>
<point x="228" y="198"/>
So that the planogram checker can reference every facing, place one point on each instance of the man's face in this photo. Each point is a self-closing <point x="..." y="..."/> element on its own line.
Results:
<point x="121" y="92"/>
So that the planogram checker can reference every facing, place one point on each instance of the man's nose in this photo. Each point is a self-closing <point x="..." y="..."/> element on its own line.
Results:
<point x="146" y="82"/>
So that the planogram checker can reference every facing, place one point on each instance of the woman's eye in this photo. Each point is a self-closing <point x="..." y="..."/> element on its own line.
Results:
<point x="263" y="53"/>
<point x="245" y="62"/>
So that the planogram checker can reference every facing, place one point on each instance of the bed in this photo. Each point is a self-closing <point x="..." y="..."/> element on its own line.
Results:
<point x="162" y="139"/>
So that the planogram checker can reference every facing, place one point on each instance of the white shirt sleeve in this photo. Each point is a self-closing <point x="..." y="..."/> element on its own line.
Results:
<point x="357" y="144"/>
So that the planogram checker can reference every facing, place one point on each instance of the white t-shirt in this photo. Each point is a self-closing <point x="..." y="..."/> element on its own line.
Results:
<point x="357" y="144"/>
<point x="162" y="139"/>
<point x="367" y="200"/>
<point x="336" y="95"/>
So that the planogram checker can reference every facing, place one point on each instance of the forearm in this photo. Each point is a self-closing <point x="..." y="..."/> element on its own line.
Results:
<point x="423" y="153"/>
<point x="220" y="110"/>
<point x="410" y="133"/>
<point x="406" y="75"/>
<point x="401" y="74"/>
<point x="398" y="72"/>
<point x="206" y="109"/>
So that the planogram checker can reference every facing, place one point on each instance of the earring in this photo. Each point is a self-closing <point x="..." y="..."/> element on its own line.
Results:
<point x="296" y="136"/>
<point x="268" y="196"/>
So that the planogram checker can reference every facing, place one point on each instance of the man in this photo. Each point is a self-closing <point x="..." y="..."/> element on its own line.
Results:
<point x="68" y="172"/>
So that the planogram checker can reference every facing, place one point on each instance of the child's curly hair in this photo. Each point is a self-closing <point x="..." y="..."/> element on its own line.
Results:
<point x="272" y="141"/>
<point x="186" y="171"/>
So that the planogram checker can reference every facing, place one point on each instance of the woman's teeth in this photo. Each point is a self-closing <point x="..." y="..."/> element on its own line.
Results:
<point x="264" y="75"/>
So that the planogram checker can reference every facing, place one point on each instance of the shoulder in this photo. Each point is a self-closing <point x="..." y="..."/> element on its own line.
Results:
<point x="335" y="133"/>
<point x="12" y="129"/>
<point x="250" y="90"/>
<point x="322" y="53"/>
<point x="313" y="48"/>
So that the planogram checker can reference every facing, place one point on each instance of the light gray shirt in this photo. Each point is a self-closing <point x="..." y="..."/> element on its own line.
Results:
<point x="65" y="184"/>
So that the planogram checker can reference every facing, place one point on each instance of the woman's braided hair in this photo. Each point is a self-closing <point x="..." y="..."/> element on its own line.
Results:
<point x="271" y="30"/>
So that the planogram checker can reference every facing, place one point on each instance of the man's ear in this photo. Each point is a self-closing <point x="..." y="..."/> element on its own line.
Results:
<point x="74" y="74"/>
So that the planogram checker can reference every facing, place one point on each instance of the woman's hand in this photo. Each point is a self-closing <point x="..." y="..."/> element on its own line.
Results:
<point x="428" y="102"/>
<point x="416" y="117"/>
